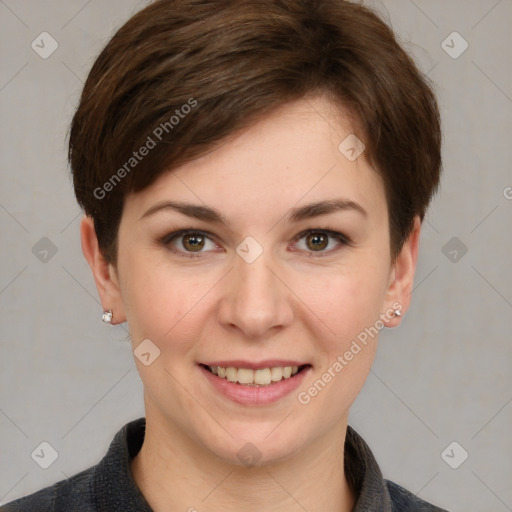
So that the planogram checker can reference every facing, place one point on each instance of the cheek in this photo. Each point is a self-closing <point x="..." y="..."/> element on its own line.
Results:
<point x="343" y="303"/>
<point x="344" y="315"/>
<point x="346" y="345"/>
<point x="170" y="308"/>
<point x="163" y="303"/>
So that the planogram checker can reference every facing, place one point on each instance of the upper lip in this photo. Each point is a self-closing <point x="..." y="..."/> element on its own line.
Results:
<point x="251" y="365"/>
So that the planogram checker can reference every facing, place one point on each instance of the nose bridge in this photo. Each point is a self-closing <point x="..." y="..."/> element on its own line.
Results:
<point x="256" y="279"/>
<point x="256" y="300"/>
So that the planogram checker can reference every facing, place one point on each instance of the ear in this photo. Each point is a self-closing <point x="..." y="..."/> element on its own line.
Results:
<point x="398" y="295"/>
<point x="104" y="273"/>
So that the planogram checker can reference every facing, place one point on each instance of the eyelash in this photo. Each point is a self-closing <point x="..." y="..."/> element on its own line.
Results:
<point x="169" y="238"/>
<point x="340" y="237"/>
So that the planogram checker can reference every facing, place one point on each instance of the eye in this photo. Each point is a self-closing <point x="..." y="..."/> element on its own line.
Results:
<point x="320" y="241"/>
<point x="189" y="243"/>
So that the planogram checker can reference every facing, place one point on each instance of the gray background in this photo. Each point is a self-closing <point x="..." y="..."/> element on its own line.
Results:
<point x="442" y="376"/>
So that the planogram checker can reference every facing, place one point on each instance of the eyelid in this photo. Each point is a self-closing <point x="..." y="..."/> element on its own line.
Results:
<point x="186" y="231"/>
<point x="342" y="238"/>
<point x="175" y="234"/>
<point x="331" y="232"/>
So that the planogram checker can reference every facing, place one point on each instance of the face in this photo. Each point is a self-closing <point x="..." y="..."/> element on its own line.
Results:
<point x="269" y="255"/>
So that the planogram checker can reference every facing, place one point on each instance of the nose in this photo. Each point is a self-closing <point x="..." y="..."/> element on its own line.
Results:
<point x="255" y="300"/>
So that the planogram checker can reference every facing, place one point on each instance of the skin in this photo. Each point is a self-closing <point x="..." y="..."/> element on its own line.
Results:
<point x="290" y="303"/>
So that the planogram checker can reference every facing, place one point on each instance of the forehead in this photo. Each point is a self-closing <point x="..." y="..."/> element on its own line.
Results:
<point x="291" y="156"/>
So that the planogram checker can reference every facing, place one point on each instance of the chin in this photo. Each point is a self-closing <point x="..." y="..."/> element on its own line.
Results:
<point x="256" y="445"/>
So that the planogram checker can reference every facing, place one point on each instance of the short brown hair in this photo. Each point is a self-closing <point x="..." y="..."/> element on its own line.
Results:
<point x="181" y="75"/>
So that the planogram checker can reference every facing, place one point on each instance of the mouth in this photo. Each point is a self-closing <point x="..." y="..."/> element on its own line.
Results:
<point x="262" y="376"/>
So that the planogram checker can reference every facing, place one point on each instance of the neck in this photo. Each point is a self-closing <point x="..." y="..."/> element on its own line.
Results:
<point x="175" y="473"/>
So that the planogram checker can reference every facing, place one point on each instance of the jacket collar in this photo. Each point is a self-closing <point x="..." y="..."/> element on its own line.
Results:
<point x="364" y="475"/>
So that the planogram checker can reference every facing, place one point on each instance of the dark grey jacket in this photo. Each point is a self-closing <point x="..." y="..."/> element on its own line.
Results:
<point x="109" y="486"/>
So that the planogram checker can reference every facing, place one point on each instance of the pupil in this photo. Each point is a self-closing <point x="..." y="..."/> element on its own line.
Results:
<point x="193" y="242"/>
<point x="317" y="241"/>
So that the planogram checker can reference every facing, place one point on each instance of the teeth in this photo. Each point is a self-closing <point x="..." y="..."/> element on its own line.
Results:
<point x="248" y="377"/>
<point x="245" y="376"/>
<point x="276" y="374"/>
<point x="262" y="377"/>
<point x="231" y="374"/>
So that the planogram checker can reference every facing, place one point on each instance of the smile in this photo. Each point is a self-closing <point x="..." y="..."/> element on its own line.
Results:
<point x="255" y="378"/>
<point x="254" y="384"/>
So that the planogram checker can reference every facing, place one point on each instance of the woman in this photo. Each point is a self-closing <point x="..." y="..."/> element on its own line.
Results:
<point x="254" y="177"/>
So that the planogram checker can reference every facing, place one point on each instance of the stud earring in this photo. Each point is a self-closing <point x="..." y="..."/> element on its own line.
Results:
<point x="107" y="316"/>
<point x="398" y="312"/>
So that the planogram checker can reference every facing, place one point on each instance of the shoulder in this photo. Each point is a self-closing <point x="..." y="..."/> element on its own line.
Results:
<point x="70" y="495"/>
<point x="107" y="486"/>
<point x="403" y="500"/>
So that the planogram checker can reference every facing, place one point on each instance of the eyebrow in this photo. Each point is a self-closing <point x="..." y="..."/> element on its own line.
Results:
<point x="324" y="207"/>
<point x="297" y="214"/>
<point x="190" y="210"/>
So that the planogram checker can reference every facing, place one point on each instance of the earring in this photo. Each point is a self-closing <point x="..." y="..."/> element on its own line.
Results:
<point x="398" y="312"/>
<point x="107" y="316"/>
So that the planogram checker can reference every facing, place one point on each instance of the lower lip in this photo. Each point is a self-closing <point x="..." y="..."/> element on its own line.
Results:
<point x="249" y="395"/>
